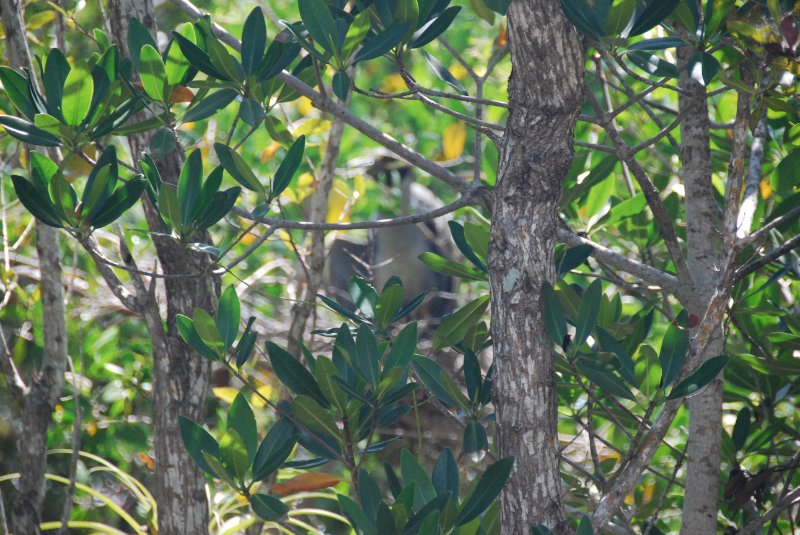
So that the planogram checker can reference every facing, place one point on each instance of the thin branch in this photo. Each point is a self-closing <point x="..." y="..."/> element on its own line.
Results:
<point x="788" y="501"/>
<point x="761" y="233"/>
<point x="663" y="220"/>
<point x="771" y="256"/>
<point x="326" y="104"/>
<point x="14" y="380"/>
<point x="749" y="204"/>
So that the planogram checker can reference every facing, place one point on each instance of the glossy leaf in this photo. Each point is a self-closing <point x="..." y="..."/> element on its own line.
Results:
<point x="672" y="354"/>
<point x="242" y="420"/>
<point x="318" y="21"/>
<point x="582" y="16"/>
<point x="27" y="132"/>
<point x="288" y="167"/>
<point x="589" y="311"/>
<point x="475" y="437"/>
<point x="197" y="440"/>
<point x="123" y="199"/>
<point x="210" y="105"/>
<point x="434" y="27"/>
<point x="153" y="74"/>
<point x="453" y="328"/>
<point x="445" y="476"/>
<point x="699" y="378"/>
<point x="15" y="87"/>
<point x="652" y="15"/>
<point x="487" y="488"/>
<point x="237" y="168"/>
<point x="37" y="204"/>
<point x="294" y="375"/>
<point x="274" y="449"/>
<point x="228" y="316"/>
<point x="254" y="41"/>
<point x="268" y="507"/>
<point x="555" y="322"/>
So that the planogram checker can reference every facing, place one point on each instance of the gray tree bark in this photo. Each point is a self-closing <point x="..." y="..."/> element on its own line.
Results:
<point x="180" y="376"/>
<point x="704" y="253"/>
<point x="545" y="94"/>
<point x="46" y="386"/>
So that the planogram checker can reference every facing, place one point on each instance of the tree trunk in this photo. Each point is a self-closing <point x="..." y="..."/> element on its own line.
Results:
<point x="47" y="385"/>
<point x="703" y="226"/>
<point x="180" y="376"/>
<point x="545" y="94"/>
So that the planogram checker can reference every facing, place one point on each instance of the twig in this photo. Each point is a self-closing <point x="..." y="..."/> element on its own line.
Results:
<point x="749" y="204"/>
<point x="771" y="256"/>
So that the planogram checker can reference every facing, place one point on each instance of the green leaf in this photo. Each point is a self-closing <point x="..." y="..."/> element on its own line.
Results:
<point x="27" y="132"/>
<point x="319" y="22"/>
<point x="169" y="208"/>
<point x="198" y="58"/>
<point x="699" y="378"/>
<point x="659" y="43"/>
<point x="475" y="437"/>
<point x="582" y="16"/>
<point x="325" y="372"/>
<point x="443" y="73"/>
<point x="434" y="27"/>
<point x="237" y="168"/>
<point x="589" y="311"/>
<point x="176" y="64"/>
<point x="585" y="526"/>
<point x="655" y="12"/>
<point x="314" y="416"/>
<point x="210" y="105"/>
<point x="487" y="489"/>
<point x="356" y="33"/>
<point x="189" y="334"/>
<point x="652" y="64"/>
<point x="244" y="349"/>
<point x="445" y="474"/>
<point x="555" y="322"/>
<point x="222" y="60"/>
<point x="15" y="87"/>
<point x="251" y="111"/>
<point x="784" y="177"/>
<point x="388" y="303"/>
<point x="378" y="45"/>
<point x="39" y="206"/>
<point x="341" y="85"/>
<point x="619" y="16"/>
<point x="454" y="327"/>
<point x="197" y="440"/>
<point x="439" y="383"/>
<point x="153" y="74"/>
<point x="498" y="6"/>
<point x="716" y="12"/>
<point x="163" y="142"/>
<point x="414" y="472"/>
<point x="138" y="37"/>
<point x="702" y="67"/>
<point x="234" y="455"/>
<point x="288" y="167"/>
<point x="254" y="41"/>
<point x="457" y="232"/>
<point x="672" y="354"/>
<point x="228" y="316"/>
<point x="741" y="428"/>
<point x="118" y="203"/>
<point x="268" y="507"/>
<point x="403" y="347"/>
<point x="626" y="208"/>
<point x="366" y="359"/>
<point x="294" y="375"/>
<point x="448" y="267"/>
<point x="242" y="420"/>
<point x="207" y="330"/>
<point x="607" y="381"/>
<point x="190" y="183"/>
<point x="274" y="449"/>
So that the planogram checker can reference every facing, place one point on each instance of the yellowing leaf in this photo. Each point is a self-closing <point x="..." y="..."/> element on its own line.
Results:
<point x="302" y="188"/>
<point x="303" y="106"/>
<point x="453" y="139"/>
<point x="766" y="189"/>
<point x="340" y="201"/>
<point x="305" y="483"/>
<point x="502" y="37"/>
<point x="91" y="428"/>
<point x="393" y="83"/>
<point x="312" y="127"/>
<point x="458" y="71"/>
<point x="269" y="152"/>
<point x="265" y="391"/>
<point x="225" y="393"/>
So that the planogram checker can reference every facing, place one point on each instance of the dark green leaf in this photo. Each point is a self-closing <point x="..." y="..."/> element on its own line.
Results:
<point x="293" y="374"/>
<point x="672" y="354"/>
<point x="652" y="64"/>
<point x="16" y="88"/>
<point x="413" y="472"/>
<point x="457" y="232"/>
<point x="403" y="347"/>
<point x="254" y="41"/>
<point x="380" y="44"/>
<point x="582" y="16"/>
<point x="341" y="85"/>
<point x="197" y="440"/>
<point x="388" y="304"/>
<point x="702" y="67"/>
<point x="443" y="73"/>
<point x="475" y="437"/>
<point x="319" y="22"/>
<point x="437" y="26"/>
<point x="366" y="359"/>
<point x="138" y="37"/>
<point x="699" y="378"/>
<point x="40" y="206"/>
<point x="655" y="12"/>
<point x="244" y="349"/>
<point x="268" y="507"/>
<point x="439" y="383"/>
<point x="120" y="202"/>
<point x="251" y="111"/>
<point x="198" y="57"/>
<point x="274" y="449"/>
<point x="555" y="322"/>
<point x="741" y="429"/>
<point x="210" y="105"/>
<point x="234" y="454"/>
<point x="190" y="336"/>
<point x="163" y="143"/>
<point x="607" y="381"/>
<point x="454" y="327"/>
<point x="585" y="526"/>
<point x="288" y="167"/>
<point x="659" y="43"/>
<point x="448" y="267"/>
<point x="487" y="488"/>
<point x="314" y="416"/>
<point x="589" y="311"/>
<point x="190" y="184"/>
<point x="237" y="168"/>
<point x="242" y="420"/>
<point x="27" y="132"/>
<point x="228" y="316"/>
<point x="445" y="474"/>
